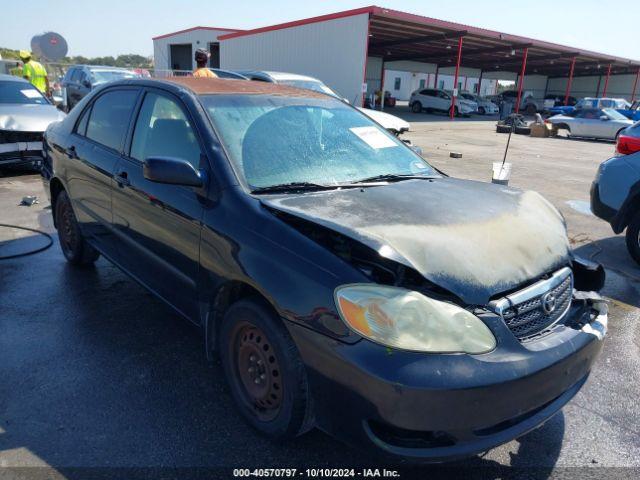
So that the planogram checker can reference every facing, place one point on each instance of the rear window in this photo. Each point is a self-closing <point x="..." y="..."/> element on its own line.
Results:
<point x="110" y="116"/>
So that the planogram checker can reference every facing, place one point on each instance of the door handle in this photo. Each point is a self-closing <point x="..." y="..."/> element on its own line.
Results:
<point x="122" y="179"/>
<point x="71" y="152"/>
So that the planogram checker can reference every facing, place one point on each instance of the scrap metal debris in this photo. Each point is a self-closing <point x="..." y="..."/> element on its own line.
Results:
<point x="29" y="200"/>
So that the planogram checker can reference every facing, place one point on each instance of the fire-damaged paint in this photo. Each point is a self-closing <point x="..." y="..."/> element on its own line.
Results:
<point x="278" y="261"/>
<point x="471" y="238"/>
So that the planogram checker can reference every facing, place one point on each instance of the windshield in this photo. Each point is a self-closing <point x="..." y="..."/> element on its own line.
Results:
<point x="21" y="93"/>
<point x="314" y="85"/>
<point x="103" y="76"/>
<point x="614" y="115"/>
<point x="275" y="140"/>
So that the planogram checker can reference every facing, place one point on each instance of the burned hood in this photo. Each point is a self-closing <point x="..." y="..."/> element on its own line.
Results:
<point x="474" y="239"/>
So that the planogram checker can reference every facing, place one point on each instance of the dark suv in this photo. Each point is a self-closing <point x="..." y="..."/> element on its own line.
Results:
<point x="81" y="79"/>
<point x="343" y="282"/>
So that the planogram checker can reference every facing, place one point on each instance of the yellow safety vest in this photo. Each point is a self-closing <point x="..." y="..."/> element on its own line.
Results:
<point x="36" y="74"/>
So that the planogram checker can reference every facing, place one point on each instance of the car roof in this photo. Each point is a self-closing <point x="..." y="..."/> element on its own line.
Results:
<point x="11" y="78"/>
<point x="221" y="86"/>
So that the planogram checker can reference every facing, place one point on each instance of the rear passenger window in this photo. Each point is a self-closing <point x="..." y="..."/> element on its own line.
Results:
<point x="110" y="116"/>
<point x="81" y="127"/>
<point x="163" y="130"/>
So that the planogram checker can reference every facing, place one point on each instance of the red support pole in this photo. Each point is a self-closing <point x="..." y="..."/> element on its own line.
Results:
<point x="479" y="92"/>
<point x="568" y="90"/>
<point x="521" y="79"/>
<point x="635" y="85"/>
<point x="606" y="81"/>
<point x="382" y="87"/>
<point x="455" y="81"/>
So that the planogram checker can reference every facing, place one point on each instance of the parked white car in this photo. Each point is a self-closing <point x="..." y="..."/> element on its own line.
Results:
<point x="485" y="106"/>
<point x="392" y="123"/>
<point x="603" y="123"/>
<point x="440" y="100"/>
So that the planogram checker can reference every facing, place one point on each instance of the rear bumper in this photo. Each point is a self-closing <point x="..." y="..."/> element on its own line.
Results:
<point x="436" y="408"/>
<point x="598" y="208"/>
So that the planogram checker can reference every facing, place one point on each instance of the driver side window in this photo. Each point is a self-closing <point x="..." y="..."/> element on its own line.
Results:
<point x="163" y="130"/>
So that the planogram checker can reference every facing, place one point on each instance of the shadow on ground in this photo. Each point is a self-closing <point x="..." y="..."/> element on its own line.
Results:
<point x="97" y="373"/>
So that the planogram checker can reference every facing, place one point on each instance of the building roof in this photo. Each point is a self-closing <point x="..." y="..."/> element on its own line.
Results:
<point x="396" y="35"/>
<point x="186" y="30"/>
<point x="220" y="86"/>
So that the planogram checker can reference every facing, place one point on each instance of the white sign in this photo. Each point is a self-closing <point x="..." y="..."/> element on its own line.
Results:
<point x="364" y="87"/>
<point x="373" y="137"/>
<point x="455" y="92"/>
<point x="31" y="93"/>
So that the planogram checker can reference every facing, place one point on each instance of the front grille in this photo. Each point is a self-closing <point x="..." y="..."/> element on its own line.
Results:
<point x="534" y="309"/>
<point x="9" y="136"/>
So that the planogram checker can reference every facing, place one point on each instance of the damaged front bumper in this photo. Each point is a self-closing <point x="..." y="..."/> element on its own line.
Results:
<point x="19" y="153"/>
<point x="439" y="407"/>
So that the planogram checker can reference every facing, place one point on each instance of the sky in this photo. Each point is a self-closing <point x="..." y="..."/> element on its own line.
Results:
<point x="101" y="28"/>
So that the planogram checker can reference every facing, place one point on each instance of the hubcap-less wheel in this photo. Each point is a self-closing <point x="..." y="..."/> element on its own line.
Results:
<point x="68" y="233"/>
<point x="258" y="369"/>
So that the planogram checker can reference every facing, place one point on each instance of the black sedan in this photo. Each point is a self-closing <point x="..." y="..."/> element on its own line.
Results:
<point x="344" y="283"/>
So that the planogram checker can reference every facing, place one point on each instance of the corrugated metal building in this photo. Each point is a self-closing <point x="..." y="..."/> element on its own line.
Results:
<point x="175" y="51"/>
<point x="351" y="51"/>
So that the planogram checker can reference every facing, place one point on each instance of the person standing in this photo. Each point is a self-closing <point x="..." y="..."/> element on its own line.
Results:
<point x="202" y="57"/>
<point x="35" y="73"/>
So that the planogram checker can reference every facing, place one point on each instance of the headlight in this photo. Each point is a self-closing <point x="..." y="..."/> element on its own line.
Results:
<point x="408" y="320"/>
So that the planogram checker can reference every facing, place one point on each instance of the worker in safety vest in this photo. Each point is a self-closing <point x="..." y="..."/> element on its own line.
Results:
<point x="35" y="73"/>
<point x="201" y="58"/>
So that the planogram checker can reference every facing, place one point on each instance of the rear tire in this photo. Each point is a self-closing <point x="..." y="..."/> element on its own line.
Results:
<point x="633" y="238"/>
<point x="74" y="246"/>
<point x="481" y="111"/>
<point x="503" y="128"/>
<point x="416" y="107"/>
<point x="266" y="376"/>
<point x="456" y="112"/>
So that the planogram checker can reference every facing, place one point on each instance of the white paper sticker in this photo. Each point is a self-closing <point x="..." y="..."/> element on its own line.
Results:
<point x="31" y="93"/>
<point x="365" y="87"/>
<point x="373" y="137"/>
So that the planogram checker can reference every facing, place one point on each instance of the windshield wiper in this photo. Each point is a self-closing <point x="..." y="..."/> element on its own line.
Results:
<point x="294" y="187"/>
<point x="393" y="177"/>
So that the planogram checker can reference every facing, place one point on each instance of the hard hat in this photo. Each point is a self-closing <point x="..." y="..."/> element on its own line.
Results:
<point x="24" y="54"/>
<point x="201" y="55"/>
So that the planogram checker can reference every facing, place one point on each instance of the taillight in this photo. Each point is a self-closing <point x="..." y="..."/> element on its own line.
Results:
<point x="627" y="145"/>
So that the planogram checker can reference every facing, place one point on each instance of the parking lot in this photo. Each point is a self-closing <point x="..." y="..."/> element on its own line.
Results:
<point x="98" y="373"/>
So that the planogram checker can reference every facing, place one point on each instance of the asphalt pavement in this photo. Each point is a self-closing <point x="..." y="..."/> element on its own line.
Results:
<point x="98" y="376"/>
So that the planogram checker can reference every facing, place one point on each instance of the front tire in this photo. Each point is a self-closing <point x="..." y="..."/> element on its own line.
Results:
<point x="268" y="381"/>
<point x="633" y="238"/>
<point x="74" y="246"/>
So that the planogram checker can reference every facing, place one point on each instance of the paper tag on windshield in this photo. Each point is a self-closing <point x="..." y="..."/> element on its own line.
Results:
<point x="373" y="137"/>
<point x="29" y="93"/>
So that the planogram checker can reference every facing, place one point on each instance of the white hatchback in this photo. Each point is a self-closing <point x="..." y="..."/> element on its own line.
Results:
<point x="440" y="100"/>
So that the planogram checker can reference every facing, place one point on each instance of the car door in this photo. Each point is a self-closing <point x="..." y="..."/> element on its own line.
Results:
<point x="427" y="98"/>
<point x="159" y="224"/>
<point x="443" y="101"/>
<point x="72" y="86"/>
<point x="84" y="84"/>
<point x="586" y="122"/>
<point x="92" y="153"/>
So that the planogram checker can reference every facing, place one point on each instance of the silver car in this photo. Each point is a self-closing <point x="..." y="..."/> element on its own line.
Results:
<point x="604" y="123"/>
<point x="24" y="116"/>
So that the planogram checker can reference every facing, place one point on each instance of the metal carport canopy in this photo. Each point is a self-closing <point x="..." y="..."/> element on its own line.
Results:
<point x="395" y="35"/>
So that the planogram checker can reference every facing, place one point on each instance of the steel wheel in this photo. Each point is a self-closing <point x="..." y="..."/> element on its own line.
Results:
<point x="67" y="231"/>
<point x="258" y="371"/>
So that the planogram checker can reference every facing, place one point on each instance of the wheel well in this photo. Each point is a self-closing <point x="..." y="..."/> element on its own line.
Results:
<point x="630" y="210"/>
<point x="562" y="126"/>
<point x="225" y="296"/>
<point x="55" y="187"/>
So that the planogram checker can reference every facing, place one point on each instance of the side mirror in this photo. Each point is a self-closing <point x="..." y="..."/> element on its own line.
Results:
<point x="604" y="118"/>
<point x="171" y="170"/>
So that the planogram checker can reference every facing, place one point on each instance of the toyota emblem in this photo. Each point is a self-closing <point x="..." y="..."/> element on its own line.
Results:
<point x="549" y="301"/>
